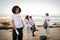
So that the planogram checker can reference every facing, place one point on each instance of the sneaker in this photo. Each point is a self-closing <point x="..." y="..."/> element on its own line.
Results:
<point x="34" y="35"/>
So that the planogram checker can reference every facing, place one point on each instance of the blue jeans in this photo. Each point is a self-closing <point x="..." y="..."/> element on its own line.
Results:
<point x="47" y="30"/>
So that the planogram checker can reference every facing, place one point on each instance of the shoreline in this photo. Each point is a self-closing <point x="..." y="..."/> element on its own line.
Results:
<point x="55" y="34"/>
<point x="51" y="26"/>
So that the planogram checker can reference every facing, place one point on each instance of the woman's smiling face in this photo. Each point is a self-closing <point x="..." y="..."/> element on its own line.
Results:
<point x="17" y="10"/>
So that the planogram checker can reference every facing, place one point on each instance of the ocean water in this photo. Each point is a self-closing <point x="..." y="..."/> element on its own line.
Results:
<point x="53" y="19"/>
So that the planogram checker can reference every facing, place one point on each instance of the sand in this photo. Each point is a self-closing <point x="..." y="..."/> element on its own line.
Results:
<point x="54" y="34"/>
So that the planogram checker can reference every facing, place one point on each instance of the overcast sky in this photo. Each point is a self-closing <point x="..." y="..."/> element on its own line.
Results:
<point x="30" y="7"/>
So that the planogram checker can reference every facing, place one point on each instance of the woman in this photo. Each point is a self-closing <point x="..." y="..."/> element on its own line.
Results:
<point x="28" y="32"/>
<point x="33" y="29"/>
<point x="47" y="20"/>
<point x="17" y="23"/>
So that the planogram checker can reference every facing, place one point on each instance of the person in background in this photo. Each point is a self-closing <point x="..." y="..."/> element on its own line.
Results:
<point x="27" y="30"/>
<point x="47" y="19"/>
<point x="17" y="23"/>
<point x="33" y="28"/>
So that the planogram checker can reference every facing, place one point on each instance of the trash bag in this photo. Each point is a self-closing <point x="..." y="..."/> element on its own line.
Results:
<point x="43" y="37"/>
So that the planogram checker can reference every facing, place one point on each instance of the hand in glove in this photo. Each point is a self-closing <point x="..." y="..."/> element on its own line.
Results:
<point x="17" y="32"/>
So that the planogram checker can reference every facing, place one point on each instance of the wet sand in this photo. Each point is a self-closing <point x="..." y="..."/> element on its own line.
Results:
<point x="54" y="34"/>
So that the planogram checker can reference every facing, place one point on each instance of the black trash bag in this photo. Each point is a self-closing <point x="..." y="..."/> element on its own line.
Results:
<point x="43" y="37"/>
<point x="45" y="25"/>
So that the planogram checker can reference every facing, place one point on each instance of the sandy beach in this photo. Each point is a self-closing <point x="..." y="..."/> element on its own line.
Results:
<point x="54" y="34"/>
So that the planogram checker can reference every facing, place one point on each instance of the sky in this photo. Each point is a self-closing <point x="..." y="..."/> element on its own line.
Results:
<point x="30" y="7"/>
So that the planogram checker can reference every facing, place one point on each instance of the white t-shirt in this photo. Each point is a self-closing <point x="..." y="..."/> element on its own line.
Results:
<point x="17" y="20"/>
<point x="47" y="18"/>
<point x="27" y="23"/>
<point x="32" y="22"/>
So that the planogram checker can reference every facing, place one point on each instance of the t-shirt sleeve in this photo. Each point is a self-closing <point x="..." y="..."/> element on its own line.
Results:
<point x="47" y="18"/>
<point x="26" y="21"/>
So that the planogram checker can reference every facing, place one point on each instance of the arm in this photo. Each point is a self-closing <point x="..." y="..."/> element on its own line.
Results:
<point x="30" y="23"/>
<point x="23" y="23"/>
<point x="15" y="28"/>
<point x="47" y="18"/>
<point x="13" y="25"/>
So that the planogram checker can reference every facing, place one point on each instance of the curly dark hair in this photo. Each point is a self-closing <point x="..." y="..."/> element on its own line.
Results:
<point x="14" y="8"/>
